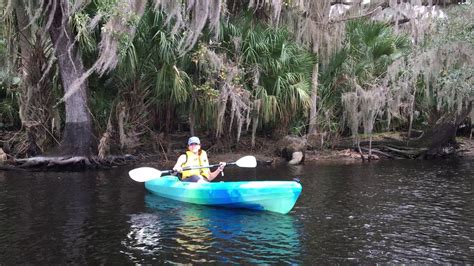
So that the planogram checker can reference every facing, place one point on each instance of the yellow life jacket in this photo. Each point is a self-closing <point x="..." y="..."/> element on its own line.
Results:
<point x="196" y="160"/>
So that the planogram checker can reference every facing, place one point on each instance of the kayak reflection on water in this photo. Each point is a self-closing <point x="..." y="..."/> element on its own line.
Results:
<point x="210" y="234"/>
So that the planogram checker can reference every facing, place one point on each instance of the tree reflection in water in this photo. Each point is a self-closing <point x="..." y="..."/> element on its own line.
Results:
<point x="179" y="232"/>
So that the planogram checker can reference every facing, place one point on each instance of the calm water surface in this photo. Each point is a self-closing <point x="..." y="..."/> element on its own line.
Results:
<point x="393" y="211"/>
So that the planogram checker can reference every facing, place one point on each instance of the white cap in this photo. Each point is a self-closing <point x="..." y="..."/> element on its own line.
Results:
<point x="192" y="140"/>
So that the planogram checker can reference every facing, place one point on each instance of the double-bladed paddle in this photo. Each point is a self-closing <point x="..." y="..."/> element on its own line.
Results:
<point x="144" y="174"/>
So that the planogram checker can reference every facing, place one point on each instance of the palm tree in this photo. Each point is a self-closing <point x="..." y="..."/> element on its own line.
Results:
<point x="8" y="103"/>
<point x="368" y="49"/>
<point x="150" y="78"/>
<point x="278" y="72"/>
<point x="372" y="46"/>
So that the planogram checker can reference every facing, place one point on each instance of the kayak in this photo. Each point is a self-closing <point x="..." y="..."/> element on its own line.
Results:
<point x="275" y="196"/>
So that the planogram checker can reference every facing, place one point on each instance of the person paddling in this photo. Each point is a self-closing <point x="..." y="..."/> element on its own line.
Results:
<point x="195" y="156"/>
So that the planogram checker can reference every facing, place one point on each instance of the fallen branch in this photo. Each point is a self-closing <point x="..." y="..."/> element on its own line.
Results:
<point x="382" y="153"/>
<point x="377" y="9"/>
<point x="409" y="152"/>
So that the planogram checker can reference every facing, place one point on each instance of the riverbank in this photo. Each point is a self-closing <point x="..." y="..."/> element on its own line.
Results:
<point x="265" y="152"/>
<point x="164" y="153"/>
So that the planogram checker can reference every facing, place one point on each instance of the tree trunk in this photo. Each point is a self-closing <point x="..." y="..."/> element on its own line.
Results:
<point x="192" y="124"/>
<point x="36" y="73"/>
<point x="319" y="13"/>
<point x="412" y="113"/>
<point x="77" y="137"/>
<point x="254" y="130"/>
<point x="28" y="68"/>
<point x="314" y="99"/>
<point x="442" y="133"/>
<point x="168" y="118"/>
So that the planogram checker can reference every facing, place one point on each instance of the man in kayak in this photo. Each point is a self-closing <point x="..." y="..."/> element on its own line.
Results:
<point x="195" y="156"/>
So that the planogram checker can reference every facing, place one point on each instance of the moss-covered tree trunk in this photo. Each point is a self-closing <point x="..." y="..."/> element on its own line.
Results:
<point x="36" y="97"/>
<point x="443" y="132"/>
<point x="313" y="114"/>
<point x="77" y="136"/>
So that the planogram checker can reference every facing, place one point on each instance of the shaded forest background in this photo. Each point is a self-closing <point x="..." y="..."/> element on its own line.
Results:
<point x="95" y="78"/>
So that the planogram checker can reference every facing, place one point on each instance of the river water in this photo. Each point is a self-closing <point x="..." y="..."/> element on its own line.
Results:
<point x="379" y="212"/>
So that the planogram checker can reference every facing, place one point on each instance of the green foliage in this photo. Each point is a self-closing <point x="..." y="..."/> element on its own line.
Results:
<point x="457" y="27"/>
<point x="268" y="64"/>
<point x="3" y="49"/>
<point x="151" y="65"/>
<point x="102" y="101"/>
<point x="159" y="57"/>
<point x="80" y="22"/>
<point x="369" y="48"/>
<point x="457" y="85"/>
<point x="442" y="67"/>
<point x="277" y="70"/>
<point x="298" y="128"/>
<point x="8" y="99"/>
<point x="202" y="105"/>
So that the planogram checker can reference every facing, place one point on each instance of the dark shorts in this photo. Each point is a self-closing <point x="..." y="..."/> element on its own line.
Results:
<point x="194" y="178"/>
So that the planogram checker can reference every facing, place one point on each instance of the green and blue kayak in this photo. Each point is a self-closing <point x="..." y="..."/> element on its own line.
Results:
<point x="275" y="196"/>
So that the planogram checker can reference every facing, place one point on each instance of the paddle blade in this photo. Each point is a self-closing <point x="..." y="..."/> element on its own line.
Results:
<point x="144" y="174"/>
<point x="247" y="162"/>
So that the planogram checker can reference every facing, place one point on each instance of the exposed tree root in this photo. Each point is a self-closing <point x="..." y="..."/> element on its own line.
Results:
<point x="397" y="149"/>
<point x="406" y="152"/>
<point x="67" y="163"/>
